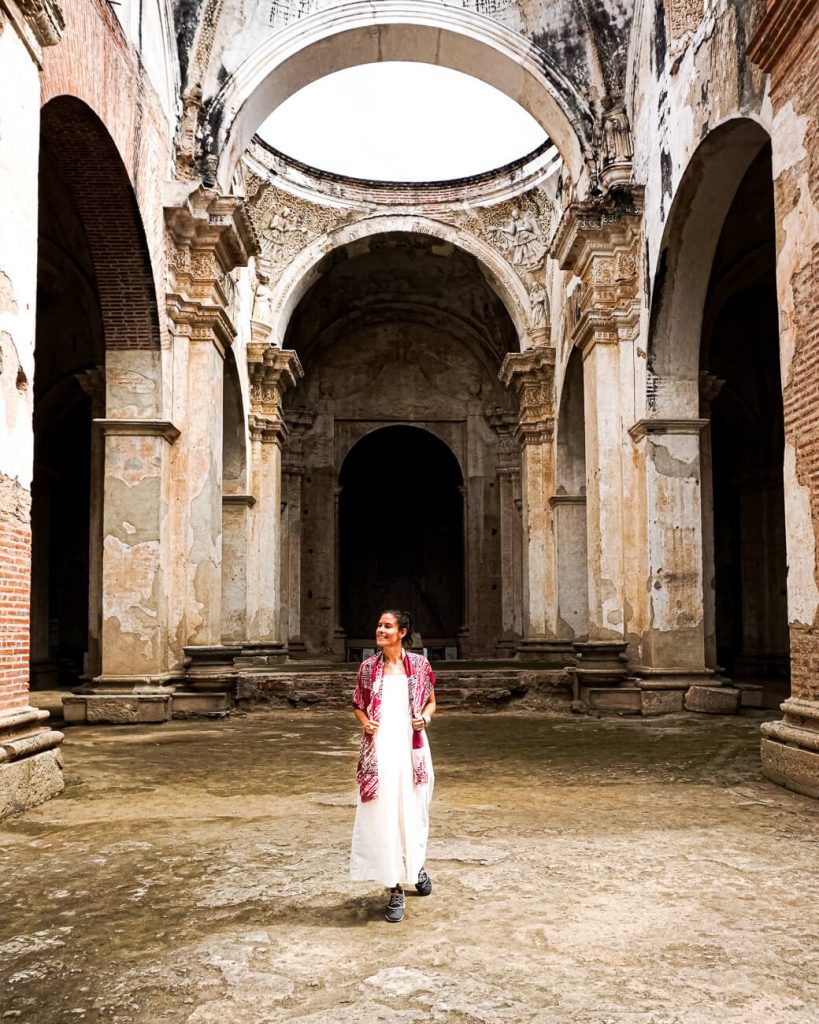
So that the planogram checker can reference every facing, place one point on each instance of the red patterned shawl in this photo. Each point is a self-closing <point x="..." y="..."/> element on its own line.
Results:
<point x="367" y="697"/>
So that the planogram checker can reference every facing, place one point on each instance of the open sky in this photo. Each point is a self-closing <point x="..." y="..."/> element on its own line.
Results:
<point x="401" y="121"/>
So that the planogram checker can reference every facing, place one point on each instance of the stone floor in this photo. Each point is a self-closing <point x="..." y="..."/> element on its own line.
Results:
<point x="594" y="871"/>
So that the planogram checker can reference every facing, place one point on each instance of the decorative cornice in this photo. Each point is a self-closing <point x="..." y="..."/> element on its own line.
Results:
<point x="207" y="220"/>
<point x="779" y="29"/>
<point x="138" y="428"/>
<point x="643" y="428"/>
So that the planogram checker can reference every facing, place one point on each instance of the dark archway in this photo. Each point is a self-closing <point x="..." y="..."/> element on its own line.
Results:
<point x="401" y="536"/>
<point x="740" y="365"/>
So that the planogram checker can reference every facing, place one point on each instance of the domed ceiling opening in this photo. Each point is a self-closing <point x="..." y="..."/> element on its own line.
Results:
<point x="402" y="121"/>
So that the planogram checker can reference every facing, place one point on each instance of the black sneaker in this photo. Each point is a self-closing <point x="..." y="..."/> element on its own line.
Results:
<point x="395" y="908"/>
<point x="424" y="883"/>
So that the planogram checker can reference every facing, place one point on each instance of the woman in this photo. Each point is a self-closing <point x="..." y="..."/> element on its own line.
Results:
<point x="394" y="701"/>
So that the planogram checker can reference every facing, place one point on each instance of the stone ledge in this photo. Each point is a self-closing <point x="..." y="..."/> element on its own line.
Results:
<point x="712" y="700"/>
<point x="793" y="767"/>
<point x="117" y="708"/>
<point x="659" y="701"/>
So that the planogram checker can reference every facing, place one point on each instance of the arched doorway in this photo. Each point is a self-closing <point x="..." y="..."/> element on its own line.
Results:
<point x="741" y="381"/>
<point x="97" y="355"/>
<point x="400" y="329"/>
<point x="401" y="536"/>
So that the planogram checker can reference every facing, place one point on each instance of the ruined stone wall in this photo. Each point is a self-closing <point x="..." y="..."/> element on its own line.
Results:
<point x="788" y="46"/>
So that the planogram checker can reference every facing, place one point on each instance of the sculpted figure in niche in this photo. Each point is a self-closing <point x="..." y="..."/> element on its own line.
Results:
<point x="537" y="296"/>
<point x="617" y="148"/>
<point x="263" y="302"/>
<point x="521" y="239"/>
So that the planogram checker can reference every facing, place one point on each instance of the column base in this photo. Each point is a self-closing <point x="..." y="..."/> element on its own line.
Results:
<point x="30" y="762"/>
<point x="600" y="663"/>
<point x="262" y="654"/>
<point x="211" y="667"/>
<point x="790" y="748"/>
<point x="552" y="653"/>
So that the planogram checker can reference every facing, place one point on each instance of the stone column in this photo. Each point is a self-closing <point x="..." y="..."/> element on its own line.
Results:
<point x="339" y="633"/>
<point x="208" y="236"/>
<point x="30" y="769"/>
<point x="271" y="372"/>
<point x="510" y="538"/>
<point x="293" y="470"/>
<point x="599" y="242"/>
<point x="786" y="45"/>
<point x="531" y="375"/>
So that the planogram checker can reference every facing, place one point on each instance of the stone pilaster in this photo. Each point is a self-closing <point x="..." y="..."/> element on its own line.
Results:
<point x="293" y="471"/>
<point x="531" y="375"/>
<point x="599" y="243"/>
<point x="135" y="648"/>
<point x="207" y="237"/>
<point x="272" y="371"/>
<point x="236" y="515"/>
<point x="674" y="640"/>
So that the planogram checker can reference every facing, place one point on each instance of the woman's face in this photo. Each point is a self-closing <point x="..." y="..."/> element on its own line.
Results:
<point x="387" y="633"/>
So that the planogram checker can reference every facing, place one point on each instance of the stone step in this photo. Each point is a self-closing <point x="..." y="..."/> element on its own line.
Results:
<point x="186" y="704"/>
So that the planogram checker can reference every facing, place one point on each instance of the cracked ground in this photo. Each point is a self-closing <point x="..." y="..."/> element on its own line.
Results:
<point x="602" y="871"/>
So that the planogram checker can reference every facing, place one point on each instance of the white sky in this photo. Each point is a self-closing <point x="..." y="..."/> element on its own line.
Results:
<point x="400" y="121"/>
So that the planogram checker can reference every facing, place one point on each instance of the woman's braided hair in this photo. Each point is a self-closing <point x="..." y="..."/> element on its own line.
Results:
<point x="404" y="620"/>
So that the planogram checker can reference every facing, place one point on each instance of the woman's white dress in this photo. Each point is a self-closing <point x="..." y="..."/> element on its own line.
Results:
<point x="390" y="832"/>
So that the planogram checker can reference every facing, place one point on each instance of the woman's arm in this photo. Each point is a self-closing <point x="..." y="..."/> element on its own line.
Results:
<point x="428" y="710"/>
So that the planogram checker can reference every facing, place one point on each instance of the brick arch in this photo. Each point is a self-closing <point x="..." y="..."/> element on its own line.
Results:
<point x="86" y="158"/>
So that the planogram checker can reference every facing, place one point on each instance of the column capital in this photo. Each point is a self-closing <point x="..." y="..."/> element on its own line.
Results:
<point x="531" y="375"/>
<point x="599" y="242"/>
<point x="271" y="371"/>
<point x="207" y="236"/>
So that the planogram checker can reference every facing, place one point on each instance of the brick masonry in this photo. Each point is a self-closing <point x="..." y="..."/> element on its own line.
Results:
<point x="15" y="570"/>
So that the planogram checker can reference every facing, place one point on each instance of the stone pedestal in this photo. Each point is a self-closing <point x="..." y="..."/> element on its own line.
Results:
<point x="790" y="748"/>
<point x="30" y="763"/>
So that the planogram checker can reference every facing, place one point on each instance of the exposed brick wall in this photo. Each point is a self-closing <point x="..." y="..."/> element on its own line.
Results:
<point x="787" y="46"/>
<point x="77" y="143"/>
<point x="15" y="570"/>
<point x="95" y="63"/>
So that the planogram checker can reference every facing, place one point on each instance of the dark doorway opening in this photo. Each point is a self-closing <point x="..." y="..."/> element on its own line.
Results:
<point x="740" y="354"/>
<point x="401" y="536"/>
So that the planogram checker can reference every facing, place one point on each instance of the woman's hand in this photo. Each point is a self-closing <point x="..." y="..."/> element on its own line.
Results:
<point x="420" y="723"/>
<point x="370" y="727"/>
